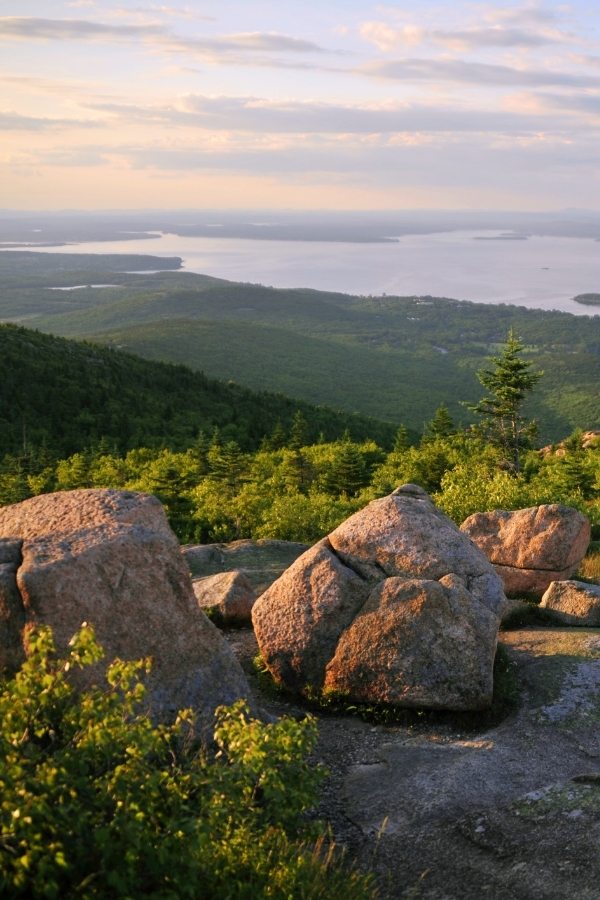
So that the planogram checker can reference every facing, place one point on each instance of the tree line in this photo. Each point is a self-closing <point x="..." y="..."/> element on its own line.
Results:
<point x="294" y="488"/>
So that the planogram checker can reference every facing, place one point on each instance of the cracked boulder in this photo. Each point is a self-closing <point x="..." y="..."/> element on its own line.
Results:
<point x="395" y="606"/>
<point x="529" y="548"/>
<point x="109" y="558"/>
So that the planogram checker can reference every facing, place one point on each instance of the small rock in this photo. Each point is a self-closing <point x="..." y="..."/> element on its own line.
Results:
<point x="227" y="595"/>
<point x="574" y="602"/>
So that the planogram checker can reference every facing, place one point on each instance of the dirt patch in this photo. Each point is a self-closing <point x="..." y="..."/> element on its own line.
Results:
<point x="511" y="811"/>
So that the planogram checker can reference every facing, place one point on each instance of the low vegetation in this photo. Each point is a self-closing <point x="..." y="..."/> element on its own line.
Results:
<point x="293" y="490"/>
<point x="97" y="802"/>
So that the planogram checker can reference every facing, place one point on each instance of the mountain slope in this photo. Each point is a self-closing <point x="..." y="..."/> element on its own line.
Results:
<point x="67" y="395"/>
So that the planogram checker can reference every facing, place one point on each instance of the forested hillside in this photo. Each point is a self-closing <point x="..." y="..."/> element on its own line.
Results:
<point x="396" y="358"/>
<point x="64" y="396"/>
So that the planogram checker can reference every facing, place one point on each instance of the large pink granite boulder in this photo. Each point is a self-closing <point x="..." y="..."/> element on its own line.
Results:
<point x="109" y="558"/>
<point x="395" y="606"/>
<point x="531" y="547"/>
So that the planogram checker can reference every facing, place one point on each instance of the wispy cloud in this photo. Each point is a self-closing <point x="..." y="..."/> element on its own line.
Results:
<point x="388" y="37"/>
<point x="171" y="12"/>
<point x="261" y="116"/>
<point x="12" y="121"/>
<point x="530" y="14"/>
<point x="474" y="73"/>
<point x="480" y="27"/>
<point x="31" y="28"/>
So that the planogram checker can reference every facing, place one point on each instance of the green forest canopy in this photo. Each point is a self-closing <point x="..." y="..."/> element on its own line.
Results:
<point x="67" y="395"/>
<point x="394" y="358"/>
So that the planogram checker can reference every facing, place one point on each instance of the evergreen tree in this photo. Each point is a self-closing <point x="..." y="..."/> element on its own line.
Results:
<point x="297" y="472"/>
<point x="401" y="441"/>
<point x="298" y="432"/>
<point x="199" y="451"/>
<point x="277" y="439"/>
<point x="347" y="473"/>
<point x="441" y="425"/>
<point x="227" y="464"/>
<point x="508" y="381"/>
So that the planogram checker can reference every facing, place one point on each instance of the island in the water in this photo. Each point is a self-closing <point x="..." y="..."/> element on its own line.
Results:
<point x="588" y="299"/>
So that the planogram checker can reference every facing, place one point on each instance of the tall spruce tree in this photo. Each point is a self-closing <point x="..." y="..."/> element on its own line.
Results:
<point x="442" y="424"/>
<point x="508" y="380"/>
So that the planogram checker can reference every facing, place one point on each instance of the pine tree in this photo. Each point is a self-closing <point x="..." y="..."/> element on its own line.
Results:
<point x="401" y="441"/>
<point x="277" y="439"/>
<point x="441" y="425"/>
<point x="347" y="473"/>
<point x="508" y="381"/>
<point x="298" y="432"/>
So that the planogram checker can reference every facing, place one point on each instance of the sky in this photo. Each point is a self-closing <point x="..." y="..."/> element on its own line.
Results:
<point x="336" y="104"/>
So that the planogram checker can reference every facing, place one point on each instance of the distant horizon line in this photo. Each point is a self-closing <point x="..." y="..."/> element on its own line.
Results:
<point x="297" y="211"/>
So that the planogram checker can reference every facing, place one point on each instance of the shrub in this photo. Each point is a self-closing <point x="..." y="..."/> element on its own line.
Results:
<point x="96" y="801"/>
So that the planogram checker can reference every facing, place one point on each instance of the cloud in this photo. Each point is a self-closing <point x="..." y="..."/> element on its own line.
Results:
<point x="40" y="85"/>
<point x="475" y="73"/>
<point x="480" y="38"/>
<point x="472" y="161"/>
<point x="521" y="27"/>
<point x="185" y="12"/>
<point x="260" y="116"/>
<point x="530" y="14"/>
<point x="573" y="103"/>
<point x="31" y="28"/>
<point x="11" y="121"/>
<point x="387" y="37"/>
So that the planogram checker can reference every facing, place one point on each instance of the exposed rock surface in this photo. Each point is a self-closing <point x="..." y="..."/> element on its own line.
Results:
<point x="574" y="602"/>
<point x="110" y="559"/>
<point x="440" y="809"/>
<point x="261" y="561"/>
<point x="531" y="547"/>
<point x="228" y="595"/>
<point x="395" y="606"/>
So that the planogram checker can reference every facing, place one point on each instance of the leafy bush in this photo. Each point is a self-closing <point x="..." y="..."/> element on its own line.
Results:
<point x="98" y="802"/>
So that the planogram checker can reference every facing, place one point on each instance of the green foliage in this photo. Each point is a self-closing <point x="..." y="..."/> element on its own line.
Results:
<point x="478" y="486"/>
<point x="508" y="381"/>
<point x="97" y="802"/>
<point x="216" y="492"/>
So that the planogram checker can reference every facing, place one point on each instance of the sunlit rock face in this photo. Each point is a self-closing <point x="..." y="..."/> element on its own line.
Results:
<point x="396" y="605"/>
<point x="109" y="558"/>
<point x="529" y="548"/>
